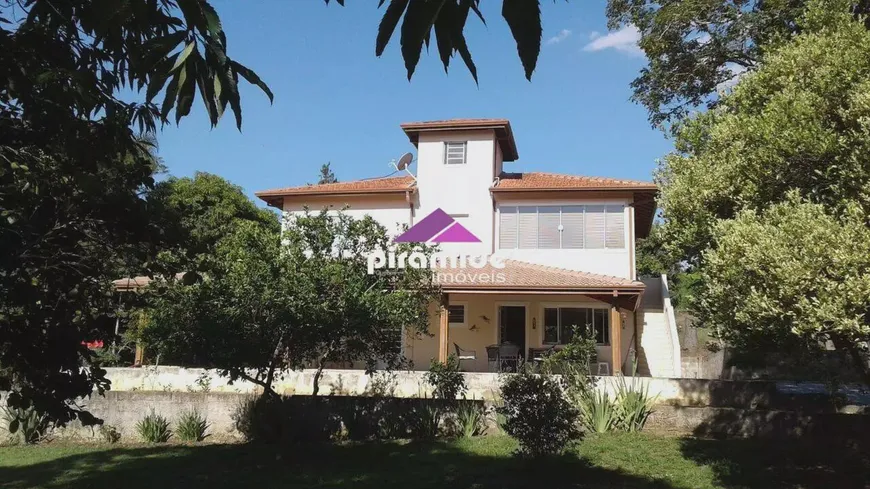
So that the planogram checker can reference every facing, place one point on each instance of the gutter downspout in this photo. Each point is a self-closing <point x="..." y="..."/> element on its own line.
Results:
<point x="410" y="207"/>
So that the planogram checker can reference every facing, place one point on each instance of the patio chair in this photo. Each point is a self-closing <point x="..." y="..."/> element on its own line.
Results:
<point x="492" y="357"/>
<point x="462" y="354"/>
<point x="508" y="356"/>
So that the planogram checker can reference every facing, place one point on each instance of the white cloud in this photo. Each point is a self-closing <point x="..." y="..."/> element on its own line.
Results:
<point x="561" y="36"/>
<point x="624" y="40"/>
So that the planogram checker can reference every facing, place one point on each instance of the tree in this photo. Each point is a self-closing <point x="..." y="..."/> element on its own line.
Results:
<point x="326" y="175"/>
<point x="447" y="18"/>
<point x="792" y="273"/>
<point x="271" y="306"/>
<point x="194" y="214"/>
<point x="798" y="125"/>
<point x="698" y="49"/>
<point x="73" y="174"/>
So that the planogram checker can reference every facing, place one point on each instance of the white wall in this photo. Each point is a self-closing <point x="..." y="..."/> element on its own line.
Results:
<point x="613" y="262"/>
<point x="459" y="189"/>
<point x="390" y="212"/>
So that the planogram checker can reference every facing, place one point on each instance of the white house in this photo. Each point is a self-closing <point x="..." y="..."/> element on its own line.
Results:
<point x="567" y="243"/>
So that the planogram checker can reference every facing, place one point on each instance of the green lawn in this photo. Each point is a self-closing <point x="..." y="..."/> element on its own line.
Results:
<point x="605" y="461"/>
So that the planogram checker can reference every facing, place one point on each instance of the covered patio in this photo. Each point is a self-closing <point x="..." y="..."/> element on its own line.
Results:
<point x="491" y="318"/>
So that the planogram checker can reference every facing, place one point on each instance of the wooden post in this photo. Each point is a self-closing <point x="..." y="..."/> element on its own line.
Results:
<point x="140" y="355"/>
<point x="443" y="330"/>
<point x="616" y="339"/>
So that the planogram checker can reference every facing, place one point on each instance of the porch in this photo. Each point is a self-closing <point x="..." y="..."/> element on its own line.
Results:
<point x="530" y="308"/>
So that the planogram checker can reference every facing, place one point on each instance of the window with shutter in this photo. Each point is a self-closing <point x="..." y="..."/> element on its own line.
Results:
<point x="572" y="227"/>
<point x="456" y="314"/>
<point x="528" y="228"/>
<point x="615" y="226"/>
<point x="595" y="226"/>
<point x="548" y="227"/>
<point x="507" y="228"/>
<point x="455" y="153"/>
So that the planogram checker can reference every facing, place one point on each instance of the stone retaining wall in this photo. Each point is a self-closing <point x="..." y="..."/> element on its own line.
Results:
<point x="678" y="392"/>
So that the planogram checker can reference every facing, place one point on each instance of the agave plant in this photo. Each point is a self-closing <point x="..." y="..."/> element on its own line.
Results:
<point x="154" y="428"/>
<point x="191" y="426"/>
<point x="598" y="412"/>
<point x="469" y="420"/>
<point x="633" y="403"/>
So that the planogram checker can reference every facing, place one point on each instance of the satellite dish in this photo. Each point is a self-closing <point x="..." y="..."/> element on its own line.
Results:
<point x="404" y="161"/>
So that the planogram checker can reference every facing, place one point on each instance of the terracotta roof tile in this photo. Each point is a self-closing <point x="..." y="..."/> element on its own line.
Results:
<point x="372" y="185"/>
<point x="555" y="181"/>
<point x="519" y="275"/>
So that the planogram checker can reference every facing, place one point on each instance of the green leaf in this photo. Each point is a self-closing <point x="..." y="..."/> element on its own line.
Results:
<point x="474" y="6"/>
<point x="524" y="19"/>
<point x="418" y="22"/>
<point x="159" y="79"/>
<point x="193" y="14"/>
<point x="230" y="94"/>
<point x="206" y="91"/>
<point x="169" y="98"/>
<point x="443" y="38"/>
<point x="186" y="92"/>
<point x="388" y="24"/>
<point x="183" y="56"/>
<point x="158" y="48"/>
<point x="458" y="39"/>
<point x="252" y="78"/>
<point x="213" y="21"/>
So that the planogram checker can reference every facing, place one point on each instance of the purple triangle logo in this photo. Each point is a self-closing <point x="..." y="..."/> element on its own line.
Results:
<point x="437" y="227"/>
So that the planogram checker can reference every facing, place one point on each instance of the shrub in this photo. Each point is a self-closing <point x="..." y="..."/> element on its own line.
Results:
<point x="633" y="404"/>
<point x="191" y="426"/>
<point x="598" y="412"/>
<point x="154" y="428"/>
<point x="470" y="420"/>
<point x="446" y="379"/>
<point x="25" y="425"/>
<point x="537" y="414"/>
<point x="271" y="419"/>
<point x="109" y="433"/>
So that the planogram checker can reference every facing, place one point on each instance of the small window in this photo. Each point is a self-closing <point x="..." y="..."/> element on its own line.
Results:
<point x="455" y="152"/>
<point x="456" y="314"/>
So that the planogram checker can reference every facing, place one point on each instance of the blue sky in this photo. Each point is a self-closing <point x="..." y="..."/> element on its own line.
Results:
<point x="335" y="101"/>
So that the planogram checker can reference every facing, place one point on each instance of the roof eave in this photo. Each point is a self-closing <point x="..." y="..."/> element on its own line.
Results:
<point x="292" y="193"/>
<point x="649" y="188"/>
<point x="634" y="289"/>
<point x="509" y="150"/>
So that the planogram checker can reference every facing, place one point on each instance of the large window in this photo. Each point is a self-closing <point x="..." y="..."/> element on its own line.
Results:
<point x="562" y="227"/>
<point x="559" y="324"/>
<point x="455" y="153"/>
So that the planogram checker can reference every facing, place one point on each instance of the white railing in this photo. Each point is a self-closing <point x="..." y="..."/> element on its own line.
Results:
<point x="671" y="321"/>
